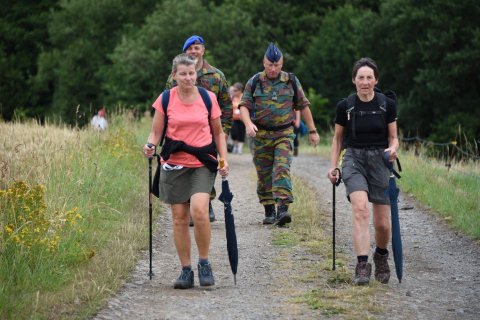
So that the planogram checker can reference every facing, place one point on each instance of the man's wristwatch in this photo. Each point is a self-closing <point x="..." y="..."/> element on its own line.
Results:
<point x="312" y="131"/>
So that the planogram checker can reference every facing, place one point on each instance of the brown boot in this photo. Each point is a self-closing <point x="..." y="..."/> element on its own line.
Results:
<point x="363" y="270"/>
<point x="382" y="271"/>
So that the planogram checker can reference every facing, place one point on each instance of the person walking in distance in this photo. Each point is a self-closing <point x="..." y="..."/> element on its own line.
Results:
<point x="193" y="138"/>
<point x="238" y="128"/>
<point x="366" y="123"/>
<point x="268" y="111"/>
<point x="213" y="80"/>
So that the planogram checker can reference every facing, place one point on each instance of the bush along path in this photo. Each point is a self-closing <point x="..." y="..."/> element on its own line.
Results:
<point x="281" y="275"/>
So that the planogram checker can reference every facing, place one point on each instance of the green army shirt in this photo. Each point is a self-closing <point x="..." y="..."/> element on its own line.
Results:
<point x="271" y="105"/>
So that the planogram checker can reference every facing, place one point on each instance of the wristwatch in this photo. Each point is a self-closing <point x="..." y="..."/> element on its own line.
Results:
<point x="312" y="131"/>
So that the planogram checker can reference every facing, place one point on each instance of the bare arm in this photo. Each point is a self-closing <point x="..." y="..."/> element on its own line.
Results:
<point x="220" y="142"/>
<point x="155" y="134"/>
<point x="313" y="137"/>
<point x="392" y="140"/>
<point x="250" y="128"/>
<point x="337" y="143"/>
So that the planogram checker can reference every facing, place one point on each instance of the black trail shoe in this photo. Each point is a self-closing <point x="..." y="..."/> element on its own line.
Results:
<point x="270" y="214"/>
<point x="185" y="281"/>
<point x="382" y="270"/>
<point x="205" y="275"/>
<point x="283" y="216"/>
<point x="363" y="270"/>
<point x="211" y="214"/>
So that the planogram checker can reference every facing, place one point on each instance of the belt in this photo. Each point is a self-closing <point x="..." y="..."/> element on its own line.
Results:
<point x="274" y="128"/>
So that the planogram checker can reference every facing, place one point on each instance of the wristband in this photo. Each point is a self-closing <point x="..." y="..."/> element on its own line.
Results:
<point x="312" y="131"/>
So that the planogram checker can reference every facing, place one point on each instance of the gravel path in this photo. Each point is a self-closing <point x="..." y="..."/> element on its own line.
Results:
<point x="441" y="269"/>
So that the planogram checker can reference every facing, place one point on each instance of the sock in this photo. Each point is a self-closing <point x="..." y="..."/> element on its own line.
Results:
<point x="381" y="251"/>
<point x="240" y="147"/>
<point x="202" y="262"/>
<point x="187" y="268"/>
<point x="362" y="258"/>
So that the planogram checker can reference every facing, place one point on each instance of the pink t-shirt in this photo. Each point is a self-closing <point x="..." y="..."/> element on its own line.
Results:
<point x="188" y="123"/>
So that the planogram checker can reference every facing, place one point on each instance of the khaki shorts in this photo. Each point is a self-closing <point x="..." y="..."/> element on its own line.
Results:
<point x="364" y="170"/>
<point x="178" y="185"/>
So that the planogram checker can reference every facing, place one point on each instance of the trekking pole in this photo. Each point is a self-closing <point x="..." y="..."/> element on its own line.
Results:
<point x="150" y="273"/>
<point x="334" y="185"/>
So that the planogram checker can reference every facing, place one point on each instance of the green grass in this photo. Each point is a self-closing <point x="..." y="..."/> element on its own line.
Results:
<point x="104" y="176"/>
<point x="310" y="232"/>
<point x="454" y="194"/>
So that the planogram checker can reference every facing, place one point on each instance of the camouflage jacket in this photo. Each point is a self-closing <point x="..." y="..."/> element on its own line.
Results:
<point x="213" y="80"/>
<point x="273" y="108"/>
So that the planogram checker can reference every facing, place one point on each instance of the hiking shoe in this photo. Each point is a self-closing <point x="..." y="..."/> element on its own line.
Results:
<point x="382" y="271"/>
<point x="185" y="281"/>
<point x="211" y="214"/>
<point x="205" y="275"/>
<point x="270" y="214"/>
<point x="283" y="216"/>
<point x="363" y="270"/>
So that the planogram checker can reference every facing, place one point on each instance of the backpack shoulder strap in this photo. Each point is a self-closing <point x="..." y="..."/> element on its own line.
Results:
<point x="206" y="100"/>
<point x="382" y="101"/>
<point x="293" y="81"/>
<point x="255" y="82"/>
<point x="351" y="102"/>
<point x="165" y="102"/>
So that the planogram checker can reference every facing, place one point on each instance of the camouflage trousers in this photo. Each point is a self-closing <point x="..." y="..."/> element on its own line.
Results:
<point x="272" y="159"/>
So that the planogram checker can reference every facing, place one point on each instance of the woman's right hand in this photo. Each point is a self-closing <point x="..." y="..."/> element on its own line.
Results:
<point x="332" y="175"/>
<point x="149" y="150"/>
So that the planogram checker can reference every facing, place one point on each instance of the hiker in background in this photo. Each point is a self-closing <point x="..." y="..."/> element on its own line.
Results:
<point x="268" y="111"/>
<point x="296" y="130"/>
<point x="186" y="180"/>
<point x="238" y="128"/>
<point x="212" y="79"/>
<point x="99" y="122"/>
<point x="368" y="128"/>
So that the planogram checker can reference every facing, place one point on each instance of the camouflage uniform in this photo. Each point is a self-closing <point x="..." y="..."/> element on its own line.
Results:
<point x="273" y="113"/>
<point x="213" y="80"/>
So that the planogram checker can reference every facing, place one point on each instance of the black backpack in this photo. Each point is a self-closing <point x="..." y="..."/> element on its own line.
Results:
<point x="382" y="107"/>
<point x="165" y="101"/>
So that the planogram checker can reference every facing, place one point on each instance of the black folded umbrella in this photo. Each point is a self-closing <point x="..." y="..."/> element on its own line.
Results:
<point x="396" y="235"/>
<point x="226" y="197"/>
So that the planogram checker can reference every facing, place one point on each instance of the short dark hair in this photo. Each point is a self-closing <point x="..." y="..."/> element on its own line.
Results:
<point x="238" y="86"/>
<point x="369" y="62"/>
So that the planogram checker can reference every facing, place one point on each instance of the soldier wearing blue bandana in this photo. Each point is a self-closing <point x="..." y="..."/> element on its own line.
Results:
<point x="213" y="80"/>
<point x="268" y="108"/>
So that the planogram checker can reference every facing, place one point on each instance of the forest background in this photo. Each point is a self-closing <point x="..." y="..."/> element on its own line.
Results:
<point x="61" y="60"/>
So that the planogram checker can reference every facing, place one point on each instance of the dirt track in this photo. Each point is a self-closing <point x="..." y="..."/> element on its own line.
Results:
<point x="441" y="270"/>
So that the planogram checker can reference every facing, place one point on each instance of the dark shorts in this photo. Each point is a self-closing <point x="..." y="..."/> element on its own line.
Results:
<point x="238" y="131"/>
<point x="177" y="186"/>
<point x="364" y="170"/>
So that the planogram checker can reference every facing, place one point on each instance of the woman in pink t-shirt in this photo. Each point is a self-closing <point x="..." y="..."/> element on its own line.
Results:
<point x="189" y="166"/>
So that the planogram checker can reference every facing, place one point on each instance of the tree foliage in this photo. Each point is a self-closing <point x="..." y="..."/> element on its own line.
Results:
<point x="57" y="55"/>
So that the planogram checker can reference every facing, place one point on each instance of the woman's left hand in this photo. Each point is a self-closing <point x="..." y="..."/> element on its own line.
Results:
<point x="393" y="153"/>
<point x="223" y="170"/>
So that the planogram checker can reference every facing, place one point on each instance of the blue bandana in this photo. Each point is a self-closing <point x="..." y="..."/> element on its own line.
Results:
<point x="273" y="54"/>
<point x="190" y="41"/>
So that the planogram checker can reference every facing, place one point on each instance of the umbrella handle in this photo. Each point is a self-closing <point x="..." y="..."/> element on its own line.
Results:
<point x="221" y="163"/>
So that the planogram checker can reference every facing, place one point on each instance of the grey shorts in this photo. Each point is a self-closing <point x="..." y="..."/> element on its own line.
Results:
<point x="364" y="170"/>
<point x="177" y="186"/>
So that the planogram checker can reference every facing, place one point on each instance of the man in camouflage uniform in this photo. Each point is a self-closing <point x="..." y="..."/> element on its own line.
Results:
<point x="213" y="80"/>
<point x="268" y="112"/>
